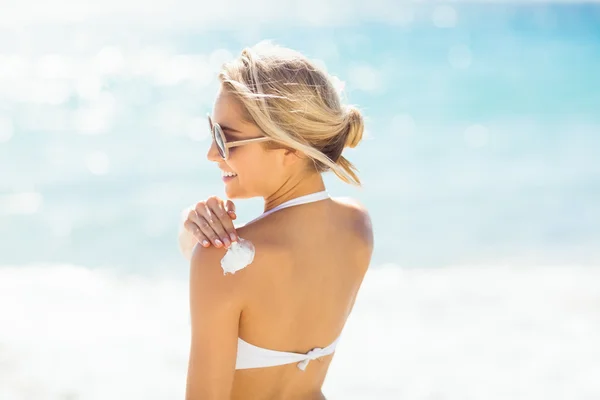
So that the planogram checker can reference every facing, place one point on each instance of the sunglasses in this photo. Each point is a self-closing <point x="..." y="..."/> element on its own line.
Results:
<point x="223" y="145"/>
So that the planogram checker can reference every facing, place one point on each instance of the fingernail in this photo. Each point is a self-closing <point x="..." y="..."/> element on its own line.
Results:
<point x="226" y="241"/>
<point x="233" y="237"/>
<point x="205" y="243"/>
<point x="218" y="243"/>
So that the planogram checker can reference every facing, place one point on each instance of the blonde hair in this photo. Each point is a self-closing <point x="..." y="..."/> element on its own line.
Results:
<point x="296" y="104"/>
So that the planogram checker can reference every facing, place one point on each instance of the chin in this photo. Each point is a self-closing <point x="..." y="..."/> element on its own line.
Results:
<point x="235" y="192"/>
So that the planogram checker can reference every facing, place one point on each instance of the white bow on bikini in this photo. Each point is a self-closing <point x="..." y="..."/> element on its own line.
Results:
<point x="311" y="355"/>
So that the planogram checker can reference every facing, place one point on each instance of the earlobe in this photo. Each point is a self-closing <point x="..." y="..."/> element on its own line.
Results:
<point x="292" y="156"/>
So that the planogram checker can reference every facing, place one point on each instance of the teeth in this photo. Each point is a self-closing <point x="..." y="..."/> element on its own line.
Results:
<point x="223" y="173"/>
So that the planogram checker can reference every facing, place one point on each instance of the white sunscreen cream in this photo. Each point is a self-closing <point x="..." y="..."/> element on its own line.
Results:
<point x="239" y="255"/>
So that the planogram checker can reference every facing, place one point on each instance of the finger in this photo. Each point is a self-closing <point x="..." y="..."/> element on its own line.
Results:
<point x="226" y="220"/>
<point x="196" y="232"/>
<point x="192" y="225"/>
<point x="221" y="224"/>
<point x="202" y="219"/>
<point x="230" y="208"/>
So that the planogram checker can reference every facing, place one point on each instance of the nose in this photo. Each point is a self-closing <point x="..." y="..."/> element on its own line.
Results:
<point x="213" y="153"/>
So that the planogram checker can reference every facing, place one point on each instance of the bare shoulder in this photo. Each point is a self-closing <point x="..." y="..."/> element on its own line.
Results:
<point x="269" y="250"/>
<point x="208" y="279"/>
<point x="260" y="233"/>
<point x="360" y="217"/>
<point x="352" y="204"/>
<point x="218" y="292"/>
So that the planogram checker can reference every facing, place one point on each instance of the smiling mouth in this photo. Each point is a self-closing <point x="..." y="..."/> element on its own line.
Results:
<point x="228" y="174"/>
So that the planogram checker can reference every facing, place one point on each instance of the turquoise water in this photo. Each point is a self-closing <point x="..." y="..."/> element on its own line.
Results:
<point x="481" y="152"/>
<point x="482" y="139"/>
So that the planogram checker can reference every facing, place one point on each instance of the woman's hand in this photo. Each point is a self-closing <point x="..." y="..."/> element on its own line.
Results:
<point x="208" y="222"/>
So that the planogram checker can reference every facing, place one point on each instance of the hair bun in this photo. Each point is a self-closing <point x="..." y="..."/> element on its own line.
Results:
<point x="355" y="128"/>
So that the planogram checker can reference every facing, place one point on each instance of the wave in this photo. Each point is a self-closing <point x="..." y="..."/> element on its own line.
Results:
<point x="480" y="332"/>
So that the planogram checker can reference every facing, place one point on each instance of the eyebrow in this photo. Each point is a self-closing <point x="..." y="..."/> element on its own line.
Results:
<point x="232" y="134"/>
<point x="229" y="129"/>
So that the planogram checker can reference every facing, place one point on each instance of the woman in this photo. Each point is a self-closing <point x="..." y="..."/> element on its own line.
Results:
<point x="269" y="330"/>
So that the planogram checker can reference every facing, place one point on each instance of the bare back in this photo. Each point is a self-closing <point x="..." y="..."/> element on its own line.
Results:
<point x="310" y="262"/>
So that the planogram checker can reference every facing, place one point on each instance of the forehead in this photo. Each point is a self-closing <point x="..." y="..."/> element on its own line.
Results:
<point x="229" y="112"/>
<point x="227" y="108"/>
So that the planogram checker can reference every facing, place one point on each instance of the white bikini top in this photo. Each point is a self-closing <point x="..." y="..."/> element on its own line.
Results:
<point x="250" y="356"/>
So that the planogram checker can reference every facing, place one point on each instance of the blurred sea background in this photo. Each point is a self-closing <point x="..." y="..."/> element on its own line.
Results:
<point x="480" y="167"/>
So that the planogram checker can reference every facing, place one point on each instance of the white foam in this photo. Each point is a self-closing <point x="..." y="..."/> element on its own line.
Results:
<point x="454" y="333"/>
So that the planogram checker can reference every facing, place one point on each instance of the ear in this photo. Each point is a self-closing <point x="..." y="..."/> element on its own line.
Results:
<point x="291" y="157"/>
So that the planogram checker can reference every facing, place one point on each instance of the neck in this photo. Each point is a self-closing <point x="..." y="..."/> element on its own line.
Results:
<point x="294" y="188"/>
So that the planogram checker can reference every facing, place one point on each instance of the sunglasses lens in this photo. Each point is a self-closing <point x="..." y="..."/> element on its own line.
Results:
<point x="219" y="140"/>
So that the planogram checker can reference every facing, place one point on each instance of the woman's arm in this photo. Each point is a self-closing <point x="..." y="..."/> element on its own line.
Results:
<point x="216" y="306"/>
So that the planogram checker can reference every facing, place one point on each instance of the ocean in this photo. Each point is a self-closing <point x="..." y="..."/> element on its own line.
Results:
<point x="480" y="167"/>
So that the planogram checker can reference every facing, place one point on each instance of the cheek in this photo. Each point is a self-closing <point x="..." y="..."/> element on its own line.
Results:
<point x="255" y="167"/>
